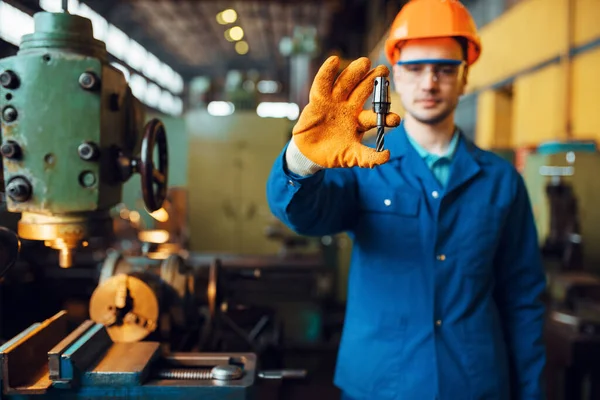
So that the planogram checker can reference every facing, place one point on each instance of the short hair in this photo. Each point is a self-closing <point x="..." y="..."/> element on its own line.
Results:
<point x="464" y="46"/>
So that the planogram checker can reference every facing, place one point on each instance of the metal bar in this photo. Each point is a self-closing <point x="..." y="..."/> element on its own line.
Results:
<point x="25" y="359"/>
<point x="87" y="349"/>
<point x="56" y="352"/>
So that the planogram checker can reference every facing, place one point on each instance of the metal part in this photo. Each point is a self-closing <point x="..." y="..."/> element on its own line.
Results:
<point x="283" y="374"/>
<point x="9" y="114"/>
<point x="64" y="232"/>
<point x="10" y="149"/>
<point x="45" y="360"/>
<point x="9" y="80"/>
<point x="88" y="151"/>
<point x="24" y="358"/>
<point x="226" y="372"/>
<point x="154" y="136"/>
<point x="89" y="81"/>
<point x="381" y="106"/>
<point x="185" y="374"/>
<point x="18" y="189"/>
<point x="127" y="306"/>
<point x="76" y="123"/>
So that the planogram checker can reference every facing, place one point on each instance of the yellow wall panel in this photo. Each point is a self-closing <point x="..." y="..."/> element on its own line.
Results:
<point x="538" y="107"/>
<point x="527" y="34"/>
<point x="586" y="86"/>
<point x="494" y="120"/>
<point x="485" y="119"/>
<point x="586" y="25"/>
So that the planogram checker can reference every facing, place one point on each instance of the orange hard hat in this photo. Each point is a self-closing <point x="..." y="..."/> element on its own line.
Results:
<point x="421" y="19"/>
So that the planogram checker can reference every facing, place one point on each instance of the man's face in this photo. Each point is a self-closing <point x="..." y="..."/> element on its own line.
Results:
<point x="429" y="87"/>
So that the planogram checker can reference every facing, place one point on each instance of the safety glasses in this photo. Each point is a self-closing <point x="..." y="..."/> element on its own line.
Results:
<point x="443" y="70"/>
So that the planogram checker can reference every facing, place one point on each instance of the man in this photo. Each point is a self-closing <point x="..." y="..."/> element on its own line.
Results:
<point x="445" y="279"/>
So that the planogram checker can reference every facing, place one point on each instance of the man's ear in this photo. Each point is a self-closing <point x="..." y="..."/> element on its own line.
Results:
<point x="465" y="79"/>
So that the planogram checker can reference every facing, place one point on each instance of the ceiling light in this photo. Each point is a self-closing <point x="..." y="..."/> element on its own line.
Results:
<point x="241" y="47"/>
<point x="290" y="111"/>
<point x="220" y="108"/>
<point x="236" y="33"/>
<point x="229" y="16"/>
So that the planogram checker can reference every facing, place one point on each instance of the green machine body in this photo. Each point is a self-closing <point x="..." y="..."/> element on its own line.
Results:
<point x="72" y="134"/>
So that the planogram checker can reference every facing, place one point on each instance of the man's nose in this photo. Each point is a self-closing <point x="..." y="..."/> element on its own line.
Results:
<point x="429" y="80"/>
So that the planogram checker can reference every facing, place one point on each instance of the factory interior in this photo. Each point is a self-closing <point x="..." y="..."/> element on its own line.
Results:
<point x="170" y="277"/>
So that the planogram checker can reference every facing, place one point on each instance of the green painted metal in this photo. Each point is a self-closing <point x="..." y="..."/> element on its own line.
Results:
<point x="56" y="114"/>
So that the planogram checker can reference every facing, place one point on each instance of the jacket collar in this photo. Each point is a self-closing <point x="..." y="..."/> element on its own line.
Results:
<point x="465" y="165"/>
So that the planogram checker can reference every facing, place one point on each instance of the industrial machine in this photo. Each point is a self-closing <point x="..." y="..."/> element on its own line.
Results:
<point x="563" y="197"/>
<point x="72" y="134"/>
<point x="71" y="129"/>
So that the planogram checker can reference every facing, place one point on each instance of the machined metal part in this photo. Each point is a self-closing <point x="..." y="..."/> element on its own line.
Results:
<point x="179" y="289"/>
<point x="283" y="374"/>
<point x="127" y="306"/>
<point x="64" y="232"/>
<point x="24" y="358"/>
<point x="85" y="364"/>
<point x="226" y="372"/>
<point x="381" y="106"/>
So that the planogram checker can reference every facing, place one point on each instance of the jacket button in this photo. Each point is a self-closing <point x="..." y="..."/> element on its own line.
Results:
<point x="291" y="182"/>
<point x="438" y="322"/>
<point x="435" y="194"/>
<point x="441" y="257"/>
<point x="387" y="202"/>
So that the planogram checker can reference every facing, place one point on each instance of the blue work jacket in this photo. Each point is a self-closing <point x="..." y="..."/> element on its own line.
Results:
<point x="445" y="283"/>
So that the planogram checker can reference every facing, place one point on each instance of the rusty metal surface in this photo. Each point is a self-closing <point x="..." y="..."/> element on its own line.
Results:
<point x="127" y="306"/>
<point x="24" y="359"/>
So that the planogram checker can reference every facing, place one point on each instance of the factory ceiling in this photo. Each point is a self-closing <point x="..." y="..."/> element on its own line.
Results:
<point x="188" y="35"/>
<point x="192" y="37"/>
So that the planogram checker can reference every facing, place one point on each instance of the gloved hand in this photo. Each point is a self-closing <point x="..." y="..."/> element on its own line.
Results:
<point x="331" y="126"/>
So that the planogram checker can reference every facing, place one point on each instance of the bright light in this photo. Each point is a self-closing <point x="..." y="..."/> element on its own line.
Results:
<point x="161" y="215"/>
<point x="267" y="87"/>
<point x="220" y="108"/>
<point x="153" y="93"/>
<point x="117" y="42"/>
<point x="229" y="16"/>
<point x="241" y="47"/>
<point x="14" y="23"/>
<point x="278" y="110"/>
<point x="234" y="34"/>
<point x="121" y="68"/>
<point x="138" y="86"/>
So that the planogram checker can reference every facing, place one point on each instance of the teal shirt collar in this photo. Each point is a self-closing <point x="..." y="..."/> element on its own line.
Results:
<point x="431" y="159"/>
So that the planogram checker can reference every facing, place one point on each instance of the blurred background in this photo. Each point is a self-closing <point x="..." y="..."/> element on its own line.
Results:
<point x="213" y="272"/>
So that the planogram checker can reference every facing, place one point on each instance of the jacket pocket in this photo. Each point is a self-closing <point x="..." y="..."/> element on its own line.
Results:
<point x="388" y="232"/>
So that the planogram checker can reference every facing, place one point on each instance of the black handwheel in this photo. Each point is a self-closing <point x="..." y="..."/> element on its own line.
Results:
<point x="154" y="135"/>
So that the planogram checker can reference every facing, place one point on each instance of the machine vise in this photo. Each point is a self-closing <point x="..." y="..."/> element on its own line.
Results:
<point x="48" y="362"/>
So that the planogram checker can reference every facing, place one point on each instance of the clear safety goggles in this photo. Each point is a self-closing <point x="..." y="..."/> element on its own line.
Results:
<point x="443" y="70"/>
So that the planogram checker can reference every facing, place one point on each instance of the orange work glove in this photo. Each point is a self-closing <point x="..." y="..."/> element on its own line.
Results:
<point x="331" y="126"/>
